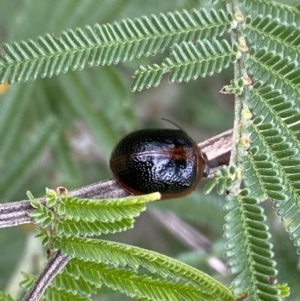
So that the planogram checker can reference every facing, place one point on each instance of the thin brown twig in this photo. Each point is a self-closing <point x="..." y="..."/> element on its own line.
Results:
<point x="216" y="148"/>
<point x="16" y="213"/>
<point x="54" y="265"/>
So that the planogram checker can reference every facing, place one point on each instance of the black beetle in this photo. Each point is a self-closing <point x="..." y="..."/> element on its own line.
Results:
<point x="163" y="160"/>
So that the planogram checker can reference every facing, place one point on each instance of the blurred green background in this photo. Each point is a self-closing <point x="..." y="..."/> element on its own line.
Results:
<point x="60" y="131"/>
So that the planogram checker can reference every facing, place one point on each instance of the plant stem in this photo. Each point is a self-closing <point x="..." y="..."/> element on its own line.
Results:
<point x="54" y="265"/>
<point x="16" y="213"/>
<point x="240" y="72"/>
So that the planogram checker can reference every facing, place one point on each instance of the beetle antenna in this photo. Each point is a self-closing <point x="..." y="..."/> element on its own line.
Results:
<point x="168" y="120"/>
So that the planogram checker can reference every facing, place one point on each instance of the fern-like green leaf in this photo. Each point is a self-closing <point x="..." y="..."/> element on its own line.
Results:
<point x="187" y="61"/>
<point x="101" y="210"/>
<point x="52" y="293"/>
<point x="261" y="176"/>
<point x="248" y="248"/>
<point x="78" y="286"/>
<point x="95" y="217"/>
<point x="268" y="165"/>
<point x="282" y="12"/>
<point x="134" y="285"/>
<point x="272" y="161"/>
<point x="222" y="179"/>
<point x="282" y="38"/>
<point x="72" y="228"/>
<point x="117" y="254"/>
<point x="285" y="193"/>
<point x="41" y="214"/>
<point x="274" y="107"/>
<point x="275" y="70"/>
<point x="106" y="44"/>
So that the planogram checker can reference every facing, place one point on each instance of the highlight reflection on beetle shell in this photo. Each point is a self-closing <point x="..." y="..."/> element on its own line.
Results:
<point x="164" y="160"/>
